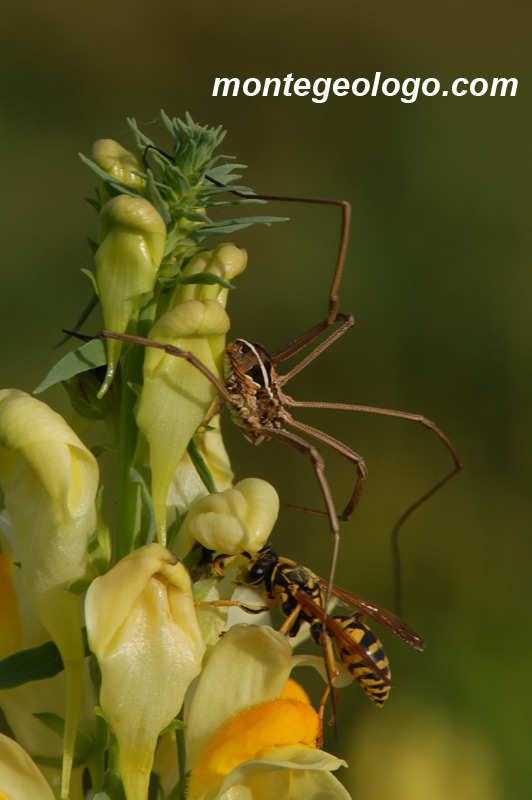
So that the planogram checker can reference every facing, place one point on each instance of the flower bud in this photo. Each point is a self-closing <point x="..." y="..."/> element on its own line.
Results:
<point x="175" y="395"/>
<point x="142" y="626"/>
<point x="50" y="480"/>
<point x="132" y="239"/>
<point x="237" y="520"/>
<point x="226" y="261"/>
<point x="119" y="163"/>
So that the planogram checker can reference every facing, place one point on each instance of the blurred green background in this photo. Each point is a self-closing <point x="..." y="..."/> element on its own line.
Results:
<point x="438" y="277"/>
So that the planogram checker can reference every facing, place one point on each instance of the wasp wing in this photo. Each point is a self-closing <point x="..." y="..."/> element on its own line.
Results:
<point x="337" y="632"/>
<point x="380" y="615"/>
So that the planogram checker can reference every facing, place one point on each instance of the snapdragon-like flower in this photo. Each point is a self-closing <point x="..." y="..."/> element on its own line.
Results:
<point x="187" y="486"/>
<point x="24" y="704"/>
<point x="119" y="163"/>
<point x="20" y="778"/>
<point x="142" y="626"/>
<point x="175" y="396"/>
<point x="237" y="520"/>
<point x="132" y="239"/>
<point x="246" y="737"/>
<point x="50" y="480"/>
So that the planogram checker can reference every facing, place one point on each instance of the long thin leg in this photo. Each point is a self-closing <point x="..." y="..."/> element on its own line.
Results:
<point x="332" y="672"/>
<point x="344" y="238"/>
<point x="319" y="468"/>
<point x="348" y="322"/>
<point x="388" y="412"/>
<point x="172" y="351"/>
<point x="234" y="604"/>
<point x="344" y="450"/>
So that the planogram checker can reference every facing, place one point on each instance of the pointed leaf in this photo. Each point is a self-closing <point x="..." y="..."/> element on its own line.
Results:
<point x="88" y="356"/>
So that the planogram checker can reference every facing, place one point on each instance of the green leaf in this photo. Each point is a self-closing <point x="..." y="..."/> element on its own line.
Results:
<point x="92" y="277"/>
<point x="113" y="183"/>
<point x="78" y="586"/>
<point x="93" y="302"/>
<point x="201" y="467"/>
<point x="174" y="725"/>
<point x="112" y="788"/>
<point x="148" y="514"/>
<point x="53" y="722"/>
<point x="204" y="278"/>
<point x="88" y="356"/>
<point x="33" y="664"/>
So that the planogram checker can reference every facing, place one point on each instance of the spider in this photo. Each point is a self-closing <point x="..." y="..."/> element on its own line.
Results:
<point x="254" y="391"/>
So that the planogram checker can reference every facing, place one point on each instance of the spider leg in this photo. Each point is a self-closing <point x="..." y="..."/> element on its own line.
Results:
<point x="319" y="468"/>
<point x="344" y="237"/>
<point x="344" y="450"/>
<point x="173" y="351"/>
<point x="305" y="338"/>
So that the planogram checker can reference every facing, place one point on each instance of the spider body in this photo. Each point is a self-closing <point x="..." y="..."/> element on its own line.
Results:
<point x="251" y="379"/>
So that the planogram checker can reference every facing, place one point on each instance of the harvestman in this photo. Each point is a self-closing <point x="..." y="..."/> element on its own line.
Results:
<point x="253" y="391"/>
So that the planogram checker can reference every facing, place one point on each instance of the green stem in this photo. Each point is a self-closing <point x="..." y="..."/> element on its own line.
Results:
<point x="128" y="501"/>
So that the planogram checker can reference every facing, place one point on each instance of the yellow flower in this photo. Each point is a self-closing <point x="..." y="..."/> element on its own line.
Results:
<point x="186" y="486"/>
<point x="175" y="395"/>
<point x="19" y="630"/>
<point x="132" y="239"/>
<point x="50" y="480"/>
<point x="227" y="261"/>
<point x="119" y="163"/>
<point x="142" y="626"/>
<point x="246" y="739"/>
<point x="237" y="520"/>
<point x="20" y="778"/>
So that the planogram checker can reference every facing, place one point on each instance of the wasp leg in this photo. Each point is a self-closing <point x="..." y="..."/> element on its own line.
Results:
<point x="332" y="672"/>
<point x="244" y="606"/>
<point x="289" y="621"/>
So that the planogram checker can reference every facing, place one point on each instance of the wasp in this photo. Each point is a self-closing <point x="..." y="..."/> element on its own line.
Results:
<point x="301" y="596"/>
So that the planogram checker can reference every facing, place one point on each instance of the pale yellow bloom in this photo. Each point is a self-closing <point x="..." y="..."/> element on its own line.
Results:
<point x="186" y="485"/>
<point x="132" y="239"/>
<point x="50" y="480"/>
<point x="249" y="739"/>
<point x="142" y="626"/>
<point x="237" y="520"/>
<point x="175" y="395"/>
<point x="19" y="630"/>
<point x="20" y="778"/>
<point x="227" y="261"/>
<point x="119" y="163"/>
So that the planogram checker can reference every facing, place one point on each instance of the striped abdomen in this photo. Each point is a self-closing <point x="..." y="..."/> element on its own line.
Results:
<point x="372" y="684"/>
<point x="364" y="639"/>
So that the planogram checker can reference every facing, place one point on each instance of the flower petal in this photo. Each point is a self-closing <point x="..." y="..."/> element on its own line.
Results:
<point x="237" y="520"/>
<point x="20" y="778"/>
<point x="293" y="773"/>
<point x="260" y="657"/>
<point x="142" y="627"/>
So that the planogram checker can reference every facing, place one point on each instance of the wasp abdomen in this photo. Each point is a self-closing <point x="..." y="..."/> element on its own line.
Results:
<point x="356" y="630"/>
